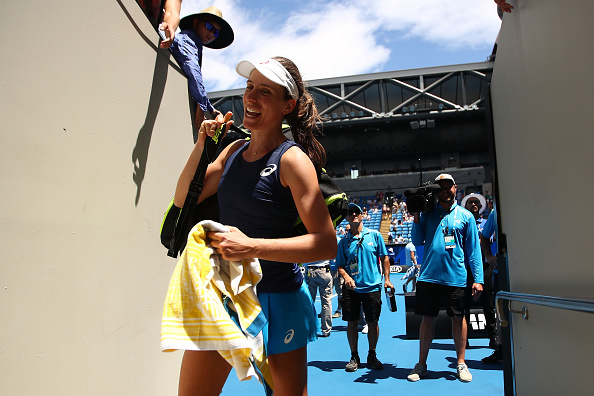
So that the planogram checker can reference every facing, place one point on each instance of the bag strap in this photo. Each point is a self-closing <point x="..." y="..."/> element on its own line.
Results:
<point x="211" y="146"/>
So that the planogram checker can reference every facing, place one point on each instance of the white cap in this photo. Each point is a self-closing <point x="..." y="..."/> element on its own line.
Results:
<point x="445" y="176"/>
<point x="272" y="70"/>
<point x="477" y="196"/>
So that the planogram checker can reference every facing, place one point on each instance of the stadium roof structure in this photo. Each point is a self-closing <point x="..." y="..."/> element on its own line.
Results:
<point x="388" y="96"/>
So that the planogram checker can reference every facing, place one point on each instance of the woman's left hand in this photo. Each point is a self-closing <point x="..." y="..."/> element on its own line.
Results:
<point x="233" y="245"/>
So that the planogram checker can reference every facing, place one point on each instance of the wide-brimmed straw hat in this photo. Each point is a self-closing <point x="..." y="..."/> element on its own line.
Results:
<point x="226" y="35"/>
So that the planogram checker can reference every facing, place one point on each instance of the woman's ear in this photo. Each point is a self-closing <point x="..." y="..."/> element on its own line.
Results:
<point x="290" y="106"/>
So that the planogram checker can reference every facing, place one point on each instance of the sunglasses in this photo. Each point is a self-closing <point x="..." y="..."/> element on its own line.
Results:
<point x="209" y="26"/>
<point x="476" y="203"/>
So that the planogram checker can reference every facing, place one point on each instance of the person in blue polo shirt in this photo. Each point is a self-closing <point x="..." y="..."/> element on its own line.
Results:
<point x="488" y="233"/>
<point x="362" y="259"/>
<point x="451" y="241"/>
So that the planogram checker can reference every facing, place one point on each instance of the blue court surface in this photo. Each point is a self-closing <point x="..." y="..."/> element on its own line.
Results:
<point x="328" y="356"/>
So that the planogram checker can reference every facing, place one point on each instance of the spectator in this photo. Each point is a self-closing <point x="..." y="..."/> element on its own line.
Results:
<point x="475" y="203"/>
<point x="391" y="256"/>
<point x="410" y="253"/>
<point x="204" y="29"/>
<point x="338" y="282"/>
<point x="488" y="233"/>
<point x="319" y="278"/>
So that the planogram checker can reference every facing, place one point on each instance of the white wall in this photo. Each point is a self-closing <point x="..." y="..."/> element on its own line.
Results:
<point x="83" y="275"/>
<point x="541" y="88"/>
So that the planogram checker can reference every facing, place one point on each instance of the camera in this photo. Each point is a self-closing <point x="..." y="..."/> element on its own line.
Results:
<point x="422" y="198"/>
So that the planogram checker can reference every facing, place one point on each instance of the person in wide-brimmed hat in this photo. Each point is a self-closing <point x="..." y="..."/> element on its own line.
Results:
<point x="476" y="203"/>
<point x="204" y="29"/>
<point x="223" y="36"/>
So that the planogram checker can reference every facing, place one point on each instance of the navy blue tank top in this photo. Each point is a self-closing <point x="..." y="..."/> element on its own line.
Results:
<point x="253" y="199"/>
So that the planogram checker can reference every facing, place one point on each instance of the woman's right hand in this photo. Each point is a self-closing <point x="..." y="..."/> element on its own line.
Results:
<point x="210" y="127"/>
<point x="207" y="128"/>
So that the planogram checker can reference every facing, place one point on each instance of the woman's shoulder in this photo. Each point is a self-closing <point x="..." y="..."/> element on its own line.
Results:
<point x="296" y="166"/>
<point x="293" y="151"/>
<point x="237" y="144"/>
<point x="232" y="148"/>
<point x="295" y="158"/>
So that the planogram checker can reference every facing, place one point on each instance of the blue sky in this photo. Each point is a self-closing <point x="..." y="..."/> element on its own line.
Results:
<point x="333" y="38"/>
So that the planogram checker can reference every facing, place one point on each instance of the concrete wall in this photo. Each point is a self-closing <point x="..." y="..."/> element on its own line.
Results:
<point x="541" y="89"/>
<point x="94" y="129"/>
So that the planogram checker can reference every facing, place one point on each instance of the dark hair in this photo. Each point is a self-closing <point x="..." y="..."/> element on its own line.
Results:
<point x="304" y="120"/>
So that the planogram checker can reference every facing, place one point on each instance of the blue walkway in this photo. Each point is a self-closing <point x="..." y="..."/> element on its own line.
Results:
<point x="328" y="356"/>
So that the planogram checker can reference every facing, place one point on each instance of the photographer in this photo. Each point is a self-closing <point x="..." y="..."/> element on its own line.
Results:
<point x="451" y="240"/>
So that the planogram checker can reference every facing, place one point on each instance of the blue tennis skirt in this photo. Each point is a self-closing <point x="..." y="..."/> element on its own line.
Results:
<point x="292" y="322"/>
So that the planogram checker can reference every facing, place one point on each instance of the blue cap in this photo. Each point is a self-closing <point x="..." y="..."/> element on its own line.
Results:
<point x="354" y="207"/>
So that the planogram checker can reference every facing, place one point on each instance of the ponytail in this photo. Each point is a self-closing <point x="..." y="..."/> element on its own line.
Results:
<point x="304" y="120"/>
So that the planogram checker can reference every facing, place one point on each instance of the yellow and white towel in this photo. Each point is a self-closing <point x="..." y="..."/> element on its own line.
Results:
<point x="205" y="295"/>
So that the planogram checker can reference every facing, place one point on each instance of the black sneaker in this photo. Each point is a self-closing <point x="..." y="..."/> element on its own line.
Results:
<point x="353" y="365"/>
<point x="373" y="363"/>
<point x="494" y="358"/>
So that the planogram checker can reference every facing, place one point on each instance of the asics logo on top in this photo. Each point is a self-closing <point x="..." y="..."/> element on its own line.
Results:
<point x="268" y="170"/>
<point x="289" y="336"/>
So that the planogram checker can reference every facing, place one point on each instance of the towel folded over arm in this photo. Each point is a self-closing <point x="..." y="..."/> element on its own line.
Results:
<point x="211" y="304"/>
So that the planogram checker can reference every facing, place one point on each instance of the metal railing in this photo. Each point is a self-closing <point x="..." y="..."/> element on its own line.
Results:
<point x="572" y="304"/>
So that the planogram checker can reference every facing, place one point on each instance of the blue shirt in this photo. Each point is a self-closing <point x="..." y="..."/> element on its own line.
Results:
<point x="490" y="225"/>
<point x="448" y="266"/>
<point x="187" y="50"/>
<point x="407" y="249"/>
<point x="370" y="250"/>
<point x="490" y="230"/>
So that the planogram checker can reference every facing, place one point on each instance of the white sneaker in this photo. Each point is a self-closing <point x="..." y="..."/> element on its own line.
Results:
<point x="463" y="373"/>
<point x="417" y="373"/>
<point x="365" y="329"/>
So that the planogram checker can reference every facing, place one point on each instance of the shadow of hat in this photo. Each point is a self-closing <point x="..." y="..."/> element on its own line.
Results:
<point x="226" y="35"/>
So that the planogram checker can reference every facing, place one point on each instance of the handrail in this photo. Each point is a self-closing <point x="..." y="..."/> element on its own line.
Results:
<point x="572" y="304"/>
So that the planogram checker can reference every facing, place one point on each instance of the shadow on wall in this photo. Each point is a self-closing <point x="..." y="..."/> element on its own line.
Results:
<point x="140" y="152"/>
<point x="162" y="63"/>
